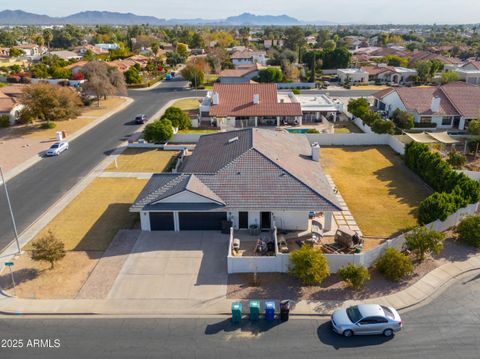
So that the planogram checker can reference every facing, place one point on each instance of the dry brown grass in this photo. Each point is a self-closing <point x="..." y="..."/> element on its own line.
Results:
<point x="187" y="104"/>
<point x="380" y="191"/>
<point x="143" y="160"/>
<point x="36" y="280"/>
<point x="92" y="219"/>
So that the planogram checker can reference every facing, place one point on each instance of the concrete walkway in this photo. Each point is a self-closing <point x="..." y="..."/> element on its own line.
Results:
<point x="431" y="285"/>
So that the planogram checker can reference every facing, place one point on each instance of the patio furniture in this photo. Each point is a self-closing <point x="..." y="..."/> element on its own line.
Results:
<point x="236" y="244"/>
<point x="282" y="245"/>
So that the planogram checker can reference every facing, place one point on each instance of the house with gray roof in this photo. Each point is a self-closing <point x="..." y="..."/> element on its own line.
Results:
<point x="249" y="177"/>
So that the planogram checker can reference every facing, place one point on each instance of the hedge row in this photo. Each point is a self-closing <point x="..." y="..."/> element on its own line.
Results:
<point x="454" y="190"/>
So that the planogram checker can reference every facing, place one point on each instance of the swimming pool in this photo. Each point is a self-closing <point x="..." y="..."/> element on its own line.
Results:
<point x="297" y="130"/>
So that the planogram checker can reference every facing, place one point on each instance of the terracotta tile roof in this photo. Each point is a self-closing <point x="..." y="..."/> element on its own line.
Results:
<point x="240" y="71"/>
<point x="76" y="64"/>
<point x="261" y="169"/>
<point x="428" y="56"/>
<point x="420" y="100"/>
<point x="237" y="100"/>
<point x="375" y="70"/>
<point x="6" y="104"/>
<point x="384" y="51"/>
<point x="246" y="54"/>
<point x="382" y="93"/>
<point x="464" y="97"/>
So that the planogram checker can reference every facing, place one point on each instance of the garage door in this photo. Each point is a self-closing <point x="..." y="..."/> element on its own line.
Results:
<point x="201" y="221"/>
<point x="161" y="221"/>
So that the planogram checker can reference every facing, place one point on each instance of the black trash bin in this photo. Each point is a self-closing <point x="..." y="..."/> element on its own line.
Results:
<point x="284" y="310"/>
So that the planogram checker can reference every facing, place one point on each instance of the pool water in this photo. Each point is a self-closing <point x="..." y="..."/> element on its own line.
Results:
<point x="297" y="130"/>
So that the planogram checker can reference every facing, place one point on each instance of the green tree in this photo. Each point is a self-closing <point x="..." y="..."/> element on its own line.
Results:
<point x="177" y="117"/>
<point x="393" y="264"/>
<point x="132" y="76"/>
<point x="48" y="37"/>
<point x="354" y="275"/>
<point x="468" y="230"/>
<point x="449" y="76"/>
<point x="48" y="249"/>
<point x="40" y="71"/>
<point x="402" y="119"/>
<point x="174" y="58"/>
<point x="329" y="45"/>
<point x="158" y="131"/>
<point x="271" y="74"/>
<point x="424" y="69"/>
<point x="193" y="73"/>
<point x="182" y="50"/>
<point x="422" y="241"/>
<point x="14" y="52"/>
<point x="474" y="127"/>
<point x="309" y="265"/>
<point x="294" y="38"/>
<point x="383" y="126"/>
<point x="395" y="60"/>
<point x="358" y="107"/>
<point x="336" y="59"/>
<point x="456" y="159"/>
<point x="57" y="72"/>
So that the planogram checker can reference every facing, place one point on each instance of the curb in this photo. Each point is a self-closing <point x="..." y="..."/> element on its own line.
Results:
<point x="36" y="158"/>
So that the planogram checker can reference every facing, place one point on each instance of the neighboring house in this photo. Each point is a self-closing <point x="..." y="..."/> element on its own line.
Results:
<point x="383" y="73"/>
<point x="241" y="74"/>
<point x="269" y="43"/>
<point x="311" y="40"/>
<point x="107" y="47"/>
<point x="248" y="177"/>
<point x="9" y="101"/>
<point x="66" y="55"/>
<point x="4" y="52"/>
<point x="448" y="106"/>
<point x="468" y="72"/>
<point x="247" y="105"/>
<point x="420" y="56"/>
<point x="354" y="75"/>
<point x="32" y="50"/>
<point x="262" y="105"/>
<point x="82" y="50"/>
<point x="249" y="57"/>
<point x="76" y="67"/>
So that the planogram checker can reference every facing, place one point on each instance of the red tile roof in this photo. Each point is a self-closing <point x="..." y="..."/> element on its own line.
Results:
<point x="237" y="100"/>
<point x="381" y="94"/>
<point x="464" y="97"/>
<point x="240" y="71"/>
<point x="375" y="70"/>
<point x="428" y="56"/>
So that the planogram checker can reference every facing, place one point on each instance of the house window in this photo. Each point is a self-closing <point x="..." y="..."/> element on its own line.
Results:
<point x="446" y="121"/>
<point x="425" y="119"/>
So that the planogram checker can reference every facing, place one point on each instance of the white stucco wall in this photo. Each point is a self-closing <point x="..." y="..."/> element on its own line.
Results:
<point x="294" y="221"/>
<point x="145" y="221"/>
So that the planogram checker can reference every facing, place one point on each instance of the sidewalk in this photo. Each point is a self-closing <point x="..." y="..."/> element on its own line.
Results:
<point x="36" y="158"/>
<point x="427" y="288"/>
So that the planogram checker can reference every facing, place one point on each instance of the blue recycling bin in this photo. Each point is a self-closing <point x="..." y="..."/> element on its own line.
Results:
<point x="236" y="312"/>
<point x="269" y="311"/>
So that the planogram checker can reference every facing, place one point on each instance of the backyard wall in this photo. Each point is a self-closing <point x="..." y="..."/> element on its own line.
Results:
<point x="280" y="262"/>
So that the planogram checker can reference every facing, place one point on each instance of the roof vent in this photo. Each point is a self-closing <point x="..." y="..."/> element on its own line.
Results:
<point x="256" y="99"/>
<point x="233" y="139"/>
<point x="435" y="107"/>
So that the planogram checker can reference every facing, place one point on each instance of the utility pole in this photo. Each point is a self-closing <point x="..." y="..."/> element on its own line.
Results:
<point x="11" y="211"/>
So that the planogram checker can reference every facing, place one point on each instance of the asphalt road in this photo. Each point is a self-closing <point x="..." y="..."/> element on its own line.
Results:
<point x="33" y="191"/>
<point x="445" y="328"/>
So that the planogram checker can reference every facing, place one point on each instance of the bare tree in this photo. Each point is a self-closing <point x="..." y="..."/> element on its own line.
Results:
<point x="102" y="80"/>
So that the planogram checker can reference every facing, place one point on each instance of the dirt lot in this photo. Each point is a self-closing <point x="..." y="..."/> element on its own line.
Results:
<point x="92" y="219"/>
<point x="380" y="191"/>
<point x="284" y="286"/>
<point x="36" y="280"/>
<point x="143" y="160"/>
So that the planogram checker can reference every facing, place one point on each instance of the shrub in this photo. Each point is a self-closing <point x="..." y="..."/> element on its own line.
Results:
<point x="393" y="264"/>
<point x="468" y="230"/>
<point x="422" y="241"/>
<point x="296" y="91"/>
<point x="383" y="126"/>
<point x="48" y="249"/>
<point x="48" y="125"/>
<point x="456" y="159"/>
<point x="403" y="119"/>
<point x="4" y="121"/>
<point x="158" y="131"/>
<point x="439" y="205"/>
<point x="354" y="275"/>
<point x="425" y="125"/>
<point x="358" y="107"/>
<point x="309" y="265"/>
<point x="178" y="118"/>
<point x="474" y="127"/>
<point x="312" y="130"/>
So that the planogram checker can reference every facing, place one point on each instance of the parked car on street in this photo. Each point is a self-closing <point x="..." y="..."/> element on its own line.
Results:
<point x="366" y="319"/>
<point x="57" y="148"/>
<point x="140" y="119"/>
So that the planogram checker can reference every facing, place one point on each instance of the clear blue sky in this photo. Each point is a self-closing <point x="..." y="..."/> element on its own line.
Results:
<point x="342" y="11"/>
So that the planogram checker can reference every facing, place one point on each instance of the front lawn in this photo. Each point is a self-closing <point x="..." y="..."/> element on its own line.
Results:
<point x="380" y="191"/>
<point x="94" y="217"/>
<point x="188" y="104"/>
<point x="197" y="131"/>
<point x="143" y="160"/>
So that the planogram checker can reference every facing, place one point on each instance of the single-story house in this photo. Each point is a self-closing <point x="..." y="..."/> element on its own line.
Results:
<point x="468" y="72"/>
<point x="248" y="177"/>
<point x="32" y="50"/>
<point x="354" y="75"/>
<point x="420" y="56"/>
<point x="240" y="74"/>
<point x="9" y="101"/>
<point x="249" y="57"/>
<point x="383" y="73"/>
<point x="76" y="66"/>
<point x="82" y="50"/>
<point x="107" y="47"/>
<point x="447" y="106"/>
<point x="66" y="55"/>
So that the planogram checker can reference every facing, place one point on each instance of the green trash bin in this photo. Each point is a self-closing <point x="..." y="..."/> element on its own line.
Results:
<point x="236" y="312"/>
<point x="254" y="310"/>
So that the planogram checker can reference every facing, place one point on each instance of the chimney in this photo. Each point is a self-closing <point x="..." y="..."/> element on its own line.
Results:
<point x="316" y="152"/>
<point x="256" y="99"/>
<point x="435" y="104"/>
<point x="215" y="98"/>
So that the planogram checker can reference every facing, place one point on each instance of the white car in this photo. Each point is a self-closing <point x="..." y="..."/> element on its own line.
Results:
<point x="57" y="148"/>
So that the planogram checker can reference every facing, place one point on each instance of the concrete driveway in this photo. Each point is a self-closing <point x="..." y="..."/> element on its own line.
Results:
<point x="187" y="265"/>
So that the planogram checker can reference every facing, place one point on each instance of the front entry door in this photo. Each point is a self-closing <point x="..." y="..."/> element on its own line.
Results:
<point x="265" y="220"/>
<point x="243" y="220"/>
